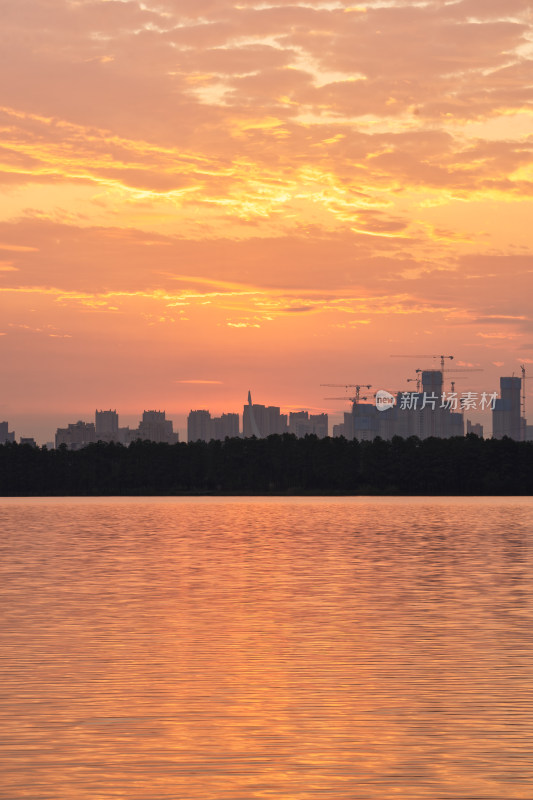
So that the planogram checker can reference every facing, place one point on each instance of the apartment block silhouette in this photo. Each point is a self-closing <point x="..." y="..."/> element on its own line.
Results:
<point x="5" y="434"/>
<point x="201" y="426"/>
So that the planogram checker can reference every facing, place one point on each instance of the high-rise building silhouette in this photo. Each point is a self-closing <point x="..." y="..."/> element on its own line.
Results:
<point x="506" y="417"/>
<point x="365" y="421"/>
<point x="202" y="426"/>
<point x="106" y="425"/>
<point x="301" y="423"/>
<point x="433" y="418"/>
<point x="76" y="435"/>
<point x="108" y="430"/>
<point x="320" y="424"/>
<point x="154" y="427"/>
<point x="5" y="434"/>
<point x="455" y="424"/>
<point x="275" y="421"/>
<point x="261" y="421"/>
<point x="225" y="426"/>
<point x="474" y="427"/>
<point x="199" y="426"/>
<point x="423" y="414"/>
<point x="250" y="422"/>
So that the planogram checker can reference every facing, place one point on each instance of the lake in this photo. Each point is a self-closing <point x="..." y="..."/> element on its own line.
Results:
<point x="282" y="649"/>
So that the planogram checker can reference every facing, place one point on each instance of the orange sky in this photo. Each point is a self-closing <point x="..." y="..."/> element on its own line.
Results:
<point x="256" y="195"/>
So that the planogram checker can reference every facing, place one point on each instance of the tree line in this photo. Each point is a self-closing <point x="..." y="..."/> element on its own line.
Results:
<point x="277" y="465"/>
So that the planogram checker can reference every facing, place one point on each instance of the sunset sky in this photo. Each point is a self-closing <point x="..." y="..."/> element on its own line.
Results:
<point x="202" y="197"/>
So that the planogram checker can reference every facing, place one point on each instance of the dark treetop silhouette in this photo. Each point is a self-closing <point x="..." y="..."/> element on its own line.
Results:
<point x="277" y="465"/>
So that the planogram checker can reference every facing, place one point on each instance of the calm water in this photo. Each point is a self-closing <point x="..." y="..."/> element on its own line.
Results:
<point x="232" y="649"/>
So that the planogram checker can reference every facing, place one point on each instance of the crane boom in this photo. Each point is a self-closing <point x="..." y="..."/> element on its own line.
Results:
<point x="425" y="356"/>
<point x="356" y="386"/>
<point x="462" y="369"/>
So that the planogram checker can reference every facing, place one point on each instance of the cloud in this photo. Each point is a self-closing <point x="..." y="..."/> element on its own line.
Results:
<point x="499" y="319"/>
<point x="167" y="104"/>
<point x="18" y="248"/>
<point x="308" y="173"/>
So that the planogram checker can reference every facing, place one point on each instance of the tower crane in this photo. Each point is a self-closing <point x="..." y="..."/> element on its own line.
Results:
<point x="454" y="381"/>
<point x="426" y="356"/>
<point x="416" y="380"/>
<point x="441" y="357"/>
<point x="523" y="398"/>
<point x="356" y="386"/>
<point x="450" y="372"/>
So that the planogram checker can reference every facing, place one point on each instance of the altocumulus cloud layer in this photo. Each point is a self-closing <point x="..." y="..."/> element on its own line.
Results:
<point x="215" y="178"/>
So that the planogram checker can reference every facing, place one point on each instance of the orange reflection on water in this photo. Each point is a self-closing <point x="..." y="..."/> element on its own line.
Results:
<point x="229" y="650"/>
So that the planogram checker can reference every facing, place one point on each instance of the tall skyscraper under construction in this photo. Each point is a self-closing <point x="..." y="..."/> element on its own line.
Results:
<point x="506" y="418"/>
<point x="422" y="414"/>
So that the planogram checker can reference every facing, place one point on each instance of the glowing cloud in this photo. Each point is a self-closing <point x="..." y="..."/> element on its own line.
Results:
<point x="198" y="187"/>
